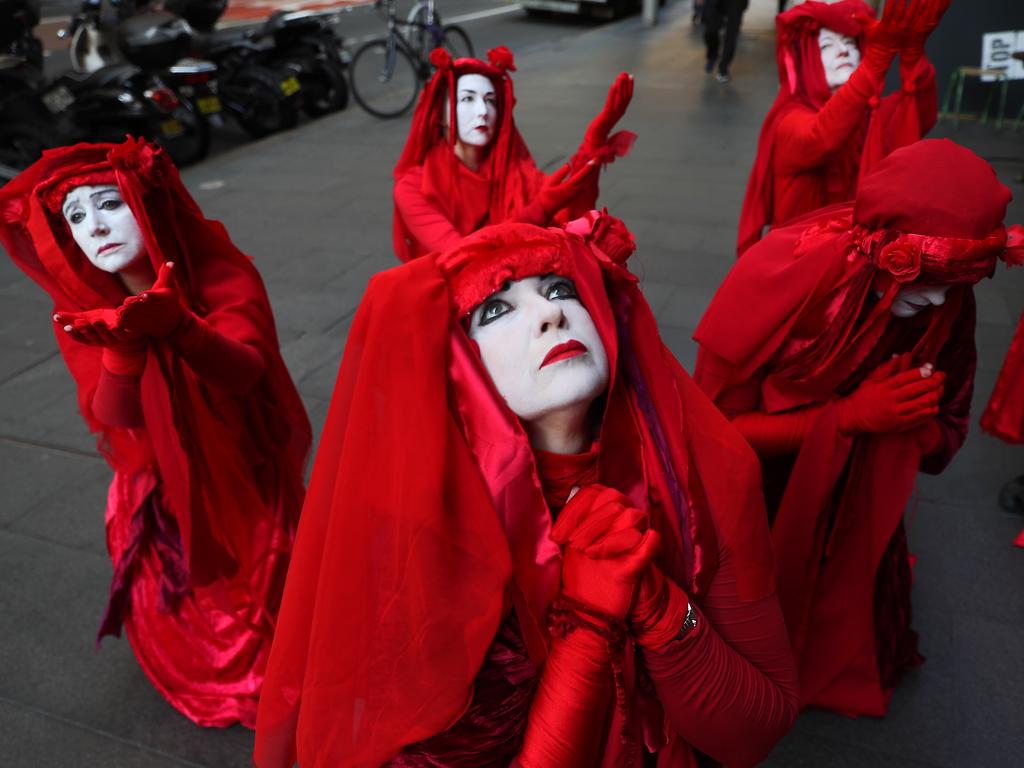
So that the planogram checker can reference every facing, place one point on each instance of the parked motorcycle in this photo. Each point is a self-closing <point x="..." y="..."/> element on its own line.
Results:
<point x="38" y="113"/>
<point x="301" y="42"/>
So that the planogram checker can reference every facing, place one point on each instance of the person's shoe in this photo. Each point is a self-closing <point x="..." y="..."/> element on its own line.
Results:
<point x="709" y="65"/>
<point x="1011" y="496"/>
<point x="722" y="76"/>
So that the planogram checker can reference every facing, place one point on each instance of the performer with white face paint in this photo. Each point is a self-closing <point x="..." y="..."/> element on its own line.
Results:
<point x="168" y="333"/>
<point x="830" y="124"/>
<point x="450" y="182"/>
<point x="515" y="467"/>
<point x="842" y="347"/>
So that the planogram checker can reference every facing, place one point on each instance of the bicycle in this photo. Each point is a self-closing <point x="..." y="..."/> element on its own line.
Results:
<point x="387" y="73"/>
<point x="424" y="23"/>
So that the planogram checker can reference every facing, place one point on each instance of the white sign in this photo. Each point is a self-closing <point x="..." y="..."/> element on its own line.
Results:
<point x="997" y="49"/>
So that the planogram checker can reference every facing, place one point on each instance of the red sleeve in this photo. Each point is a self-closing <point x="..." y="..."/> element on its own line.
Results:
<point x="776" y="434"/>
<point x="117" y="401"/>
<point x="729" y="685"/>
<point x="926" y="95"/>
<point x="429" y="226"/>
<point x="807" y="137"/>
<point x="225" y="362"/>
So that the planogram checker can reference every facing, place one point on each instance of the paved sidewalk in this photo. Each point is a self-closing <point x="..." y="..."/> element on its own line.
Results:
<point x="313" y="207"/>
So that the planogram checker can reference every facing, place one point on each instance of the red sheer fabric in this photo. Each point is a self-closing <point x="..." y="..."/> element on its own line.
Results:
<point x="823" y="293"/>
<point x="1004" y="415"/>
<point x="207" y="464"/>
<point x="815" y="145"/>
<point x="439" y="199"/>
<point x="426" y="539"/>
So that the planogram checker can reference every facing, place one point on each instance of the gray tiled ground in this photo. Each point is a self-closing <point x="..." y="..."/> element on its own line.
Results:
<point x="313" y="207"/>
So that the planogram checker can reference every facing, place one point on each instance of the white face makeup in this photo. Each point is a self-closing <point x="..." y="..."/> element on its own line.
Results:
<point x="103" y="226"/>
<point x="540" y="346"/>
<point x="476" y="109"/>
<point x="912" y="299"/>
<point x="839" y="56"/>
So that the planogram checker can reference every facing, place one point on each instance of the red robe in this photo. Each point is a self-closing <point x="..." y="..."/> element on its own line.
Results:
<point x="800" y="321"/>
<point x="815" y="145"/>
<point x="207" y="445"/>
<point x="414" y="614"/>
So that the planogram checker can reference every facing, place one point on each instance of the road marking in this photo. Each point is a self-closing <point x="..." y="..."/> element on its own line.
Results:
<point x="484" y="14"/>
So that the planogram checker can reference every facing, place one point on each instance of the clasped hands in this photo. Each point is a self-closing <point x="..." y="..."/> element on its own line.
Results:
<point x="154" y="313"/>
<point x="607" y="551"/>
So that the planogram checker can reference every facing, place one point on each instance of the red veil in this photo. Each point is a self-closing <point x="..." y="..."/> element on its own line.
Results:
<point x="425" y="521"/>
<point x="802" y="318"/>
<point x="893" y="121"/>
<point x="229" y="466"/>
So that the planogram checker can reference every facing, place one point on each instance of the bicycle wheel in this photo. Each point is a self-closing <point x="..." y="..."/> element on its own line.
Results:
<point x="457" y="42"/>
<point x="385" y="86"/>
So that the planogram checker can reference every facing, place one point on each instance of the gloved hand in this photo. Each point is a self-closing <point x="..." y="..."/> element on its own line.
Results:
<point x="606" y="545"/>
<point x="97" y="327"/>
<point x="619" y="96"/>
<point x="659" y="610"/>
<point x="157" y="312"/>
<point x="926" y="18"/>
<point x="892" y="399"/>
<point x="561" y="188"/>
<point x="884" y="38"/>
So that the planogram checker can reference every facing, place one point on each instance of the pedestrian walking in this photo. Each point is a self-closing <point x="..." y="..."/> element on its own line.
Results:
<point x="719" y="13"/>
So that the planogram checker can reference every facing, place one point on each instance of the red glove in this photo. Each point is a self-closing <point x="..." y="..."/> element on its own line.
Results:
<point x="619" y="96"/>
<point x="925" y="20"/>
<point x="123" y="352"/>
<point x="659" y="611"/>
<point x="561" y="188"/>
<point x="892" y="399"/>
<point x="606" y="545"/>
<point x="157" y="312"/>
<point x="884" y="38"/>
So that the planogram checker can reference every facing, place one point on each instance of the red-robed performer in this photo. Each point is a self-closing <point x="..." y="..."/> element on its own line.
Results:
<point x="183" y="382"/>
<point x="450" y="183"/>
<point x="842" y="347"/>
<point x="1004" y="415"/>
<point x="828" y="126"/>
<point x="529" y="539"/>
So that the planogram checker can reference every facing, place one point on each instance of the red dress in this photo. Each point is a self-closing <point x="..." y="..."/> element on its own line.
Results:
<point x="815" y="145"/>
<point x="821" y="289"/>
<point x="414" y="620"/>
<point x="439" y="199"/>
<point x="207" y="444"/>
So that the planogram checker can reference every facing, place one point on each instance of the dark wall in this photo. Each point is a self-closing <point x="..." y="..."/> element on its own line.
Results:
<point x="957" y="42"/>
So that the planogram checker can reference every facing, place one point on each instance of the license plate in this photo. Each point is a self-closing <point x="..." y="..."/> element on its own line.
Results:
<point x="290" y="85"/>
<point x="209" y="105"/>
<point x="58" y="99"/>
<point x="171" y="128"/>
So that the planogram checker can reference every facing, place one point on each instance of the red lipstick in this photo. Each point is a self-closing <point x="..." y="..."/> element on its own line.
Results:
<point x="109" y="246"/>
<point x="564" y="351"/>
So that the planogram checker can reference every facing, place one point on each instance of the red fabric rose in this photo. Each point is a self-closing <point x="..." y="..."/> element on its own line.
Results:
<point x="440" y="58"/>
<point x="501" y="57"/>
<point x="901" y="259"/>
<point x="612" y="236"/>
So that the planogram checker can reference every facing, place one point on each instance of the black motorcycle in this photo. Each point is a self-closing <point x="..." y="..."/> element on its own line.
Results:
<point x="39" y="113"/>
<point x="301" y="42"/>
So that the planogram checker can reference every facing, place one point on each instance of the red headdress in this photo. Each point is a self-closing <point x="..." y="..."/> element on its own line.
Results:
<point x="425" y="515"/>
<point x="195" y="431"/>
<point x="802" y="82"/>
<point x="508" y="166"/>
<point x="803" y="297"/>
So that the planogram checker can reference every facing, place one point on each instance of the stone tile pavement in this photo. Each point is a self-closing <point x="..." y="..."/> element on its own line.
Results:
<point x="313" y="208"/>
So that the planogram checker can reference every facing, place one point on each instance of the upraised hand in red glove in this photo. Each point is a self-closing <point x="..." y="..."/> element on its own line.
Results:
<point x="926" y="17"/>
<point x="606" y="545"/>
<point x="157" y="312"/>
<point x="615" y="106"/>
<point x="892" y="399"/>
<point x="563" y="186"/>
<point x="659" y="611"/>
<point x="886" y="37"/>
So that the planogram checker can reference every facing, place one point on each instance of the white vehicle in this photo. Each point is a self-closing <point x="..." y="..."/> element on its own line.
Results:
<point x="605" y="9"/>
